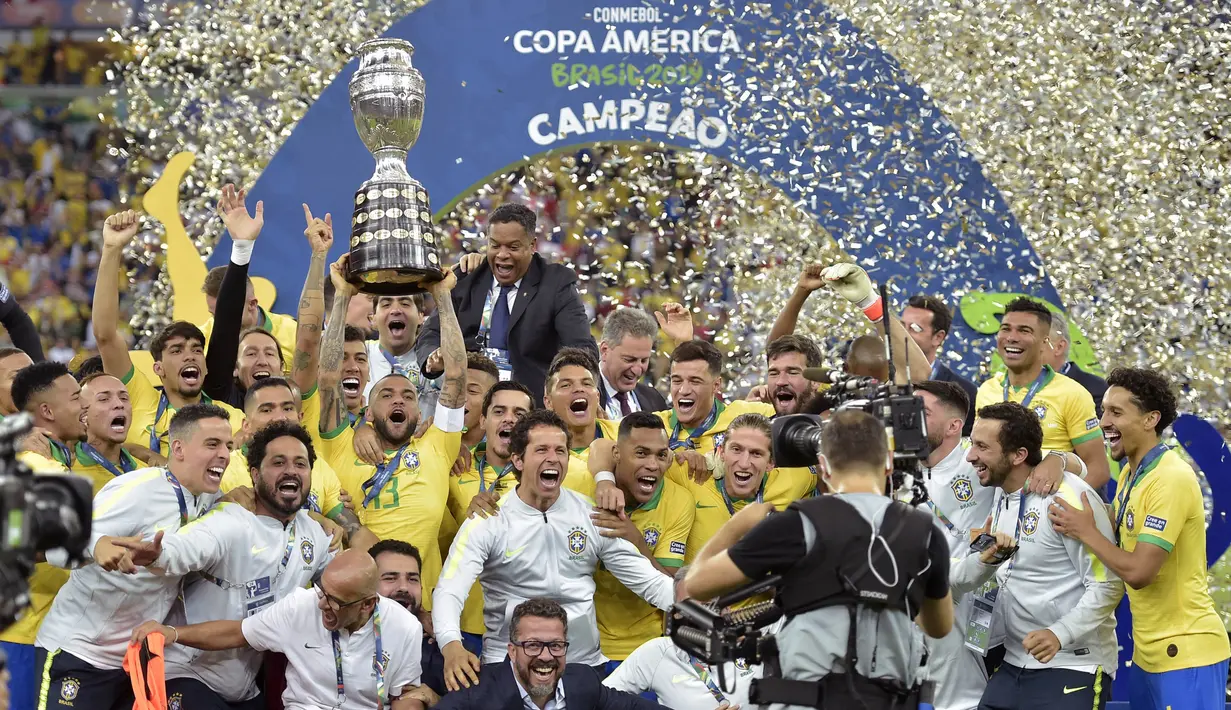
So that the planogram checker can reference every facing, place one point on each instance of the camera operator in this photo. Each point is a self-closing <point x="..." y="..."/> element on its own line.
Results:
<point x="856" y="569"/>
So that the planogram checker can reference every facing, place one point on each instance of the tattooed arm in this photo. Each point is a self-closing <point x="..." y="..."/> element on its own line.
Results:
<point x="333" y="348"/>
<point x="312" y="304"/>
<point x="357" y="536"/>
<point x="452" y="346"/>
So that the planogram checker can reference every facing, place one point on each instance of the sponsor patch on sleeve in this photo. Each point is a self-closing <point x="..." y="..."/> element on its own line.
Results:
<point x="677" y="547"/>
<point x="1091" y="424"/>
<point x="1154" y="522"/>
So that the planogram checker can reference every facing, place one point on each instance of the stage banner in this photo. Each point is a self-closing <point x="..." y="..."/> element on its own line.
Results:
<point x="873" y="160"/>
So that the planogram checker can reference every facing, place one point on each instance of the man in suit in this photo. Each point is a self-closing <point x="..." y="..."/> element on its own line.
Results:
<point x="1058" y="357"/>
<point x="536" y="676"/>
<point x="928" y="321"/>
<point x="515" y="308"/>
<point x="624" y="356"/>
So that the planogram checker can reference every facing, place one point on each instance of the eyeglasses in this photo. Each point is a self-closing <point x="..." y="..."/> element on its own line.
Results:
<point x="534" y="648"/>
<point x="335" y="604"/>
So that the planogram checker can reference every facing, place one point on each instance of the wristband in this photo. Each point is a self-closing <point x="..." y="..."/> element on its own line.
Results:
<point x="604" y="476"/>
<point x="873" y="307"/>
<point x="241" y="252"/>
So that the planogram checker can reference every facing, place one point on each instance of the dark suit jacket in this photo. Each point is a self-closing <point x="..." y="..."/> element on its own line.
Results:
<point x="497" y="690"/>
<point x="1095" y="385"/>
<point x="651" y="399"/>
<point x="947" y="375"/>
<point x="547" y="315"/>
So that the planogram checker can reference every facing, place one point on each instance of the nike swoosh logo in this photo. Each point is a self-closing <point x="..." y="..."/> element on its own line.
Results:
<point x="681" y="678"/>
<point x="513" y="553"/>
<point x="308" y="645"/>
<point x="1068" y="690"/>
<point x="464" y="481"/>
<point x="258" y="550"/>
<point x="700" y="507"/>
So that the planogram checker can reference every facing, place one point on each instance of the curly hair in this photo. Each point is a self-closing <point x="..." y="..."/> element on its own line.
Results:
<point x="1151" y="393"/>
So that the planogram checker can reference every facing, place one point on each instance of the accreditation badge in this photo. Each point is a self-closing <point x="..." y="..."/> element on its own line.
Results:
<point x="979" y="625"/>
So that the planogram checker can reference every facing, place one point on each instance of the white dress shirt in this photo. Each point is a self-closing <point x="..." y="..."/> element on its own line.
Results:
<point x="556" y="702"/>
<point x="293" y="627"/>
<point x="614" y="413"/>
<point x="660" y="666"/>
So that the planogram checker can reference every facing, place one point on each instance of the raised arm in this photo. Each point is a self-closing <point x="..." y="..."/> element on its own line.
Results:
<point x="333" y="348"/>
<point x="311" y="318"/>
<point x="118" y="231"/>
<point x="20" y="328"/>
<point x="452" y="346"/>
<point x="854" y="284"/>
<point x="809" y="282"/>
<point x="223" y="349"/>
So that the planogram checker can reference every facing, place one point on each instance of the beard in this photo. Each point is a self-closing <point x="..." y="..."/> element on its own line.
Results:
<point x="935" y="441"/>
<point x="998" y="472"/>
<point x="407" y="601"/>
<point x="269" y="496"/>
<point x="539" y="690"/>
<point x="383" y="428"/>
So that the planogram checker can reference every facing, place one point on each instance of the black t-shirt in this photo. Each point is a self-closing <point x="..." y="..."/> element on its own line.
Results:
<point x="777" y="544"/>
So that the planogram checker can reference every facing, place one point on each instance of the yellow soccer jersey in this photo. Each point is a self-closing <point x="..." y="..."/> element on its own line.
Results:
<point x="324" y="496"/>
<point x="89" y="462"/>
<point x="280" y="326"/>
<point x="1165" y="508"/>
<point x="709" y="439"/>
<point x="411" y="505"/>
<point x="310" y="417"/>
<point x="579" y="478"/>
<point x="462" y="489"/>
<point x="782" y="486"/>
<point x="1065" y="408"/>
<point x="47" y="579"/>
<point x="147" y="401"/>
<point x="625" y="620"/>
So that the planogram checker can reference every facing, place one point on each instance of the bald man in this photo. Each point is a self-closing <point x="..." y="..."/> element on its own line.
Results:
<point x="342" y="615"/>
<point x="866" y="358"/>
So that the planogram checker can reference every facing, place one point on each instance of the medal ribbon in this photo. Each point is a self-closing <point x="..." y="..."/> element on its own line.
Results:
<point x="380" y="671"/>
<point x="94" y="456"/>
<point x="1035" y="386"/>
<point x="384" y="472"/>
<point x="689" y="441"/>
<point x="1122" y="498"/>
<point x="703" y="672"/>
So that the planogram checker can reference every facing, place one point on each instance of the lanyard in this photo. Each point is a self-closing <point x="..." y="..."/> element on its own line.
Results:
<point x="722" y="488"/>
<point x="94" y="456"/>
<point x="384" y="472"/>
<point x="508" y="468"/>
<point x="286" y="558"/>
<point x="936" y="365"/>
<point x="816" y="486"/>
<point x="688" y="442"/>
<point x="485" y="321"/>
<point x="380" y="671"/>
<point x="1035" y="386"/>
<point x="703" y="672"/>
<point x="941" y="517"/>
<point x="61" y="453"/>
<point x="398" y="368"/>
<point x="155" y="439"/>
<point x="1122" y="499"/>
<point x="179" y="495"/>
<point x="1017" y="533"/>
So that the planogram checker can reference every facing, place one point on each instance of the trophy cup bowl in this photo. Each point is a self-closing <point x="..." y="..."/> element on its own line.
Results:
<point x="393" y="246"/>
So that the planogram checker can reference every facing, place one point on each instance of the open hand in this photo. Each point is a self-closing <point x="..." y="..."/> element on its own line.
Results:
<point x="676" y="321"/>
<point x="142" y="553"/>
<point x="241" y="225"/>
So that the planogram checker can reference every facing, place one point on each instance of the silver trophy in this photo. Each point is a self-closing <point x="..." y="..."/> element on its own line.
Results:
<point x="393" y="246"/>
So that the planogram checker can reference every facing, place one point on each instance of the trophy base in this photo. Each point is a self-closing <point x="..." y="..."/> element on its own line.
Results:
<point x="393" y="247"/>
<point x="395" y="282"/>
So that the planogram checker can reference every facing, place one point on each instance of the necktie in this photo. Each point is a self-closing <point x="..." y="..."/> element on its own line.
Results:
<point x="625" y="408"/>
<point x="499" y="337"/>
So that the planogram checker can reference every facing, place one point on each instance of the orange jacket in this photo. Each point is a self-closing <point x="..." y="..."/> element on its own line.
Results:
<point x="146" y="667"/>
